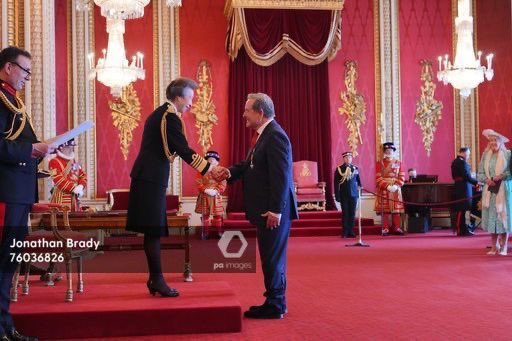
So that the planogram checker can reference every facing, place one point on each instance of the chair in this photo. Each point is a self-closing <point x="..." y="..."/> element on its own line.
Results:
<point x="309" y="191"/>
<point x="173" y="204"/>
<point x="117" y="199"/>
<point x="61" y="252"/>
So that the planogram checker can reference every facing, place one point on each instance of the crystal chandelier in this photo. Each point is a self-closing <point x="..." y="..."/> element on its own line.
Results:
<point x="113" y="69"/>
<point x="122" y="9"/>
<point x="173" y="3"/>
<point x="466" y="72"/>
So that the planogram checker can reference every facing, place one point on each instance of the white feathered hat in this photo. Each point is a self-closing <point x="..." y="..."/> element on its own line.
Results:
<point x="489" y="132"/>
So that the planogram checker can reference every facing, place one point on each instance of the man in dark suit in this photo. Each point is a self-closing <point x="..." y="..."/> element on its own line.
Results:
<point x="463" y="189"/>
<point x="162" y="140"/>
<point x="269" y="199"/>
<point x="20" y="153"/>
<point x="346" y="191"/>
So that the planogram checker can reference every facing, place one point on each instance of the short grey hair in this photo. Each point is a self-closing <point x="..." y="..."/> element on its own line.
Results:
<point x="262" y="102"/>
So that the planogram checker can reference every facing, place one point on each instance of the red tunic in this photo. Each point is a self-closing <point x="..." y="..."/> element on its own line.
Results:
<point x="389" y="172"/>
<point x="207" y="205"/>
<point x="66" y="175"/>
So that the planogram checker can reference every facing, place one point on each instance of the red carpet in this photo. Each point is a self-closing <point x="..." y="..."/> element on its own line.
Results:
<point x="430" y="286"/>
<point x="419" y="287"/>
<point x="309" y="224"/>
<point x="126" y="308"/>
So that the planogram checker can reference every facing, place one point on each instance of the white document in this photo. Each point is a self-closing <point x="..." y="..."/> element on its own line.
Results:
<point x="70" y="134"/>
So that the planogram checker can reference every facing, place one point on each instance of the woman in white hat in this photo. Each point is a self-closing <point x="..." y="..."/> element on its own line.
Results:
<point x="494" y="173"/>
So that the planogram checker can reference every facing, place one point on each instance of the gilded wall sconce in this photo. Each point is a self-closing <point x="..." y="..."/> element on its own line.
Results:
<point x="126" y="117"/>
<point x="354" y="107"/>
<point x="428" y="109"/>
<point x="203" y="108"/>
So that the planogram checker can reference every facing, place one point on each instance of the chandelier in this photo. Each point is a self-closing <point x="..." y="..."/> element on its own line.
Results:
<point x="113" y="69"/>
<point x="122" y="9"/>
<point x="173" y="3"/>
<point x="466" y="72"/>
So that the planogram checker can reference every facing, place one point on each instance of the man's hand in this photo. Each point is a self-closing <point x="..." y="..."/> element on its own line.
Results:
<point x="79" y="190"/>
<point x="40" y="150"/>
<point x="273" y="219"/>
<point x="220" y="173"/>
<point x="211" y="192"/>
<point x="392" y="188"/>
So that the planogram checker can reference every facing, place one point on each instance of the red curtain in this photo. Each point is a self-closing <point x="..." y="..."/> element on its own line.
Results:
<point x="300" y="92"/>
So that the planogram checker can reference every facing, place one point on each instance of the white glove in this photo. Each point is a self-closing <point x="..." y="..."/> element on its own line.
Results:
<point x="211" y="192"/>
<point x="392" y="188"/>
<point x="79" y="190"/>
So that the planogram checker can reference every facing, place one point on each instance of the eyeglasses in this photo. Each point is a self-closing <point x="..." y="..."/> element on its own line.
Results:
<point x="21" y="67"/>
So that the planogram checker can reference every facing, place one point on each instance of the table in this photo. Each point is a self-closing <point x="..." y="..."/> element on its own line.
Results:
<point x="105" y="220"/>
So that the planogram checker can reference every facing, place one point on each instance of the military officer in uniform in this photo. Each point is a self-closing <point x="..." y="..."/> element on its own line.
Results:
<point x="346" y="189"/>
<point x="68" y="177"/>
<point x="463" y="189"/>
<point x="162" y="140"/>
<point x="20" y="152"/>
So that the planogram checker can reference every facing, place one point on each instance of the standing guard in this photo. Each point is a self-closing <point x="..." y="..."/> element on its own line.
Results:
<point x="346" y="188"/>
<point x="389" y="179"/>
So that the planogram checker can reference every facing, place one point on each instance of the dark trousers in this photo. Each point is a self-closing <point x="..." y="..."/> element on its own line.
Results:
<point x="459" y="221"/>
<point x="14" y="227"/>
<point x="273" y="246"/>
<point x="348" y="215"/>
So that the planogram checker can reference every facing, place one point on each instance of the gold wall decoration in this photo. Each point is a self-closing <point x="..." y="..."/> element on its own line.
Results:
<point x="204" y="109"/>
<point x="428" y="110"/>
<point x="126" y="116"/>
<point x="353" y="107"/>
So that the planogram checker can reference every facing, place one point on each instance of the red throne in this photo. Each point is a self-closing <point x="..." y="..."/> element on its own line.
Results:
<point x="309" y="191"/>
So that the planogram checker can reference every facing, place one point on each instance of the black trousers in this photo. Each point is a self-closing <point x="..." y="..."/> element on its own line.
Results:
<point x="14" y="228"/>
<point x="348" y="214"/>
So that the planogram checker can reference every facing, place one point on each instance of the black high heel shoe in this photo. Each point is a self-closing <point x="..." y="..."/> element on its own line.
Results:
<point x="162" y="289"/>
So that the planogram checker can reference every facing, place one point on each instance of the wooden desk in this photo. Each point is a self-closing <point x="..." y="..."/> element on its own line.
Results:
<point x="425" y="193"/>
<point x="106" y="220"/>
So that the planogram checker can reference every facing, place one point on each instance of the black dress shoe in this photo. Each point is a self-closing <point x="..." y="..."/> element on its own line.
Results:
<point x="162" y="289"/>
<point x="14" y="335"/>
<point x="255" y="307"/>
<point x="264" y="312"/>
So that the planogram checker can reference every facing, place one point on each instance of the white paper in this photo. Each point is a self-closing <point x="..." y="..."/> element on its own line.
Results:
<point x="70" y="134"/>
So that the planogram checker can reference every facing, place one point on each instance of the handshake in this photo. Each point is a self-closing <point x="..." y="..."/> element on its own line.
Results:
<point x="220" y="173"/>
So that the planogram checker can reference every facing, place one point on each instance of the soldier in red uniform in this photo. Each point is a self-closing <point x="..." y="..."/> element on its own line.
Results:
<point x="389" y="179"/>
<point x="209" y="200"/>
<point x="68" y="177"/>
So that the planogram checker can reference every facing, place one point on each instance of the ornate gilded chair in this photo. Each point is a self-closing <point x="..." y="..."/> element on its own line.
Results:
<point x="58" y="249"/>
<point x="309" y="191"/>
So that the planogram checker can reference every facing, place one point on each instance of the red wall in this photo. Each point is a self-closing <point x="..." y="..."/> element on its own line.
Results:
<point x="61" y="65"/>
<point x="494" y="35"/>
<point x="202" y="34"/>
<point x="425" y="33"/>
<point x="112" y="170"/>
<point x="357" y="44"/>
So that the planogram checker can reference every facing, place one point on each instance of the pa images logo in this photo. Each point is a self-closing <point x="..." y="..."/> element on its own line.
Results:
<point x="226" y="238"/>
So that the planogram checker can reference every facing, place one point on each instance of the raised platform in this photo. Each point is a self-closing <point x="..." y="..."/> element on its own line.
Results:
<point x="310" y="223"/>
<point x="127" y="309"/>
